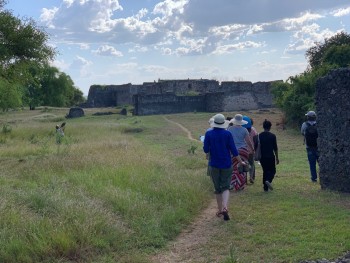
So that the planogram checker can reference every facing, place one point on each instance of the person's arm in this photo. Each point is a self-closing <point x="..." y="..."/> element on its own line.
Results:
<point x="234" y="150"/>
<point x="206" y="143"/>
<point x="275" y="149"/>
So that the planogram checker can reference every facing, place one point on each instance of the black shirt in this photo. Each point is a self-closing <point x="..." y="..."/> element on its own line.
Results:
<point x="268" y="144"/>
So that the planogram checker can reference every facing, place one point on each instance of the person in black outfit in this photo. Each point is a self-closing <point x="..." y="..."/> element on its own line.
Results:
<point x="269" y="155"/>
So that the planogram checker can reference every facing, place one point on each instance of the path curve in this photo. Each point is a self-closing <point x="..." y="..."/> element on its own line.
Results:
<point x="188" y="246"/>
<point x="189" y="134"/>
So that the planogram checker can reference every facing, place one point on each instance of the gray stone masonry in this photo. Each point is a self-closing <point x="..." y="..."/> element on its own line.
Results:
<point x="333" y="122"/>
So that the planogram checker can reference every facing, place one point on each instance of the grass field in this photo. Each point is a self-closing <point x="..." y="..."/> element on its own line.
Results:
<point x="119" y="188"/>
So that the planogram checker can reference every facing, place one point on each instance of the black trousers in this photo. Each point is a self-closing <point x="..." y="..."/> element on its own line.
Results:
<point x="269" y="170"/>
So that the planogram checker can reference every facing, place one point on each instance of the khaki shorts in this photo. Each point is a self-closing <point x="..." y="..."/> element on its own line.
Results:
<point x="221" y="178"/>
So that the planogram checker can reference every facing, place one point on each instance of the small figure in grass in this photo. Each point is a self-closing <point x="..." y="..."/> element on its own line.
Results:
<point x="60" y="132"/>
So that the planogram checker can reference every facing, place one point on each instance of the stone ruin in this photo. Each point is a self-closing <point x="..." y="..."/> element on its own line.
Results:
<point x="75" y="112"/>
<point x="189" y="95"/>
<point x="333" y="122"/>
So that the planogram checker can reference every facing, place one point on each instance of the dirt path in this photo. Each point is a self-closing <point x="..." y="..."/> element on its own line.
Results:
<point x="188" y="246"/>
<point x="189" y="134"/>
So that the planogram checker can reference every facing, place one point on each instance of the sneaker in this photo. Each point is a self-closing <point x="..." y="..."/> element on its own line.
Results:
<point x="269" y="185"/>
<point x="251" y="181"/>
<point x="225" y="213"/>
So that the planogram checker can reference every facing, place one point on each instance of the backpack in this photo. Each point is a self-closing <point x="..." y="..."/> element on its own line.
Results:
<point x="311" y="135"/>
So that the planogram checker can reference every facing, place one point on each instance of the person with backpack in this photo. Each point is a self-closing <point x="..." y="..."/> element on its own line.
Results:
<point x="309" y="131"/>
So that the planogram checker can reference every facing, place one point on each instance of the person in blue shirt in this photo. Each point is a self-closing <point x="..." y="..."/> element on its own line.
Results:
<point x="219" y="143"/>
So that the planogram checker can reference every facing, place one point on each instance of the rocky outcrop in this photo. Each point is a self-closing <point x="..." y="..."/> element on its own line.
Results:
<point x="333" y="122"/>
<point x="75" y="112"/>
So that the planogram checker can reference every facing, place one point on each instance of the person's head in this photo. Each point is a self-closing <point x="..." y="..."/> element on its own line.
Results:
<point x="238" y="120"/>
<point x="229" y="119"/>
<point x="267" y="125"/>
<point x="248" y="125"/>
<point x="211" y="120"/>
<point x="311" y="116"/>
<point x="219" y="121"/>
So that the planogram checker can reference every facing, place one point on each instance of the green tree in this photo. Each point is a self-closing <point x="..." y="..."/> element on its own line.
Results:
<point x="296" y="95"/>
<point x="58" y="89"/>
<point x="22" y="45"/>
<point x="316" y="54"/>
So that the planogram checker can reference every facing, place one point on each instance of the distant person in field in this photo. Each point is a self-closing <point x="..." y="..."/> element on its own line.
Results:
<point x="244" y="146"/>
<point x="253" y="134"/>
<point x="60" y="132"/>
<point x="269" y="155"/>
<point x="309" y="131"/>
<point x="219" y="143"/>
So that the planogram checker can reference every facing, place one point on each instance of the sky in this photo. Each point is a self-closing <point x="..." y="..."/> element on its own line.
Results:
<point x="116" y="42"/>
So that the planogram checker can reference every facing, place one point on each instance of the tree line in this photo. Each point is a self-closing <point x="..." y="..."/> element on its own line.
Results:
<point x="297" y="95"/>
<point x="26" y="76"/>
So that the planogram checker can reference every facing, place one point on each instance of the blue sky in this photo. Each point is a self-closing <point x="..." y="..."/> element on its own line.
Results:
<point x="135" y="41"/>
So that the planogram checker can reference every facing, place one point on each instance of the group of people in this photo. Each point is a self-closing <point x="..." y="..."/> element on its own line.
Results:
<point x="230" y="145"/>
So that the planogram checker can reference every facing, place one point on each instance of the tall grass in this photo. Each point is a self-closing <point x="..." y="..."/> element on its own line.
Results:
<point x="119" y="188"/>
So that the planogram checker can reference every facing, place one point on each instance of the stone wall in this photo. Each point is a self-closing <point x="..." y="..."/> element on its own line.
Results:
<point x="333" y="121"/>
<point x="227" y="96"/>
<point x="167" y="103"/>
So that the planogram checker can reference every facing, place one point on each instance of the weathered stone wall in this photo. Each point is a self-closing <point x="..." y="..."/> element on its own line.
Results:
<point x="333" y="122"/>
<point x="167" y="103"/>
<point x="213" y="101"/>
<point x="242" y="95"/>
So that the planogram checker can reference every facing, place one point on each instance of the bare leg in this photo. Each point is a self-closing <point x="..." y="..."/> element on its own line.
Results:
<point x="219" y="201"/>
<point x="225" y="197"/>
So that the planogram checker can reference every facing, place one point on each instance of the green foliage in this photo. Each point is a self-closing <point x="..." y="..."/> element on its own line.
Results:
<point x="6" y="128"/>
<point x="296" y="96"/>
<point x="338" y="55"/>
<point x="192" y="149"/>
<point x="25" y="75"/>
<point x="10" y="94"/>
<point x="316" y="54"/>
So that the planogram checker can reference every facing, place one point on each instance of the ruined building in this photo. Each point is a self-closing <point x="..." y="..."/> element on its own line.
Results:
<point x="175" y="96"/>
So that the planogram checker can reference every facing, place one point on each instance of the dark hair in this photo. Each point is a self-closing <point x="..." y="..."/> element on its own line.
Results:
<point x="251" y="120"/>
<point x="267" y="125"/>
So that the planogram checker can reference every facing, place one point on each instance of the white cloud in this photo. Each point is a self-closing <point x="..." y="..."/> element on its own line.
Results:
<point x="224" y="49"/>
<point x="342" y="12"/>
<point x="306" y="38"/>
<point x="107" y="50"/>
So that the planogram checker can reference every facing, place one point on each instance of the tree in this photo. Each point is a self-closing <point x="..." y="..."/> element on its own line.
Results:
<point x="23" y="45"/>
<point x="58" y="88"/>
<point x="316" y="54"/>
<point x="296" y="95"/>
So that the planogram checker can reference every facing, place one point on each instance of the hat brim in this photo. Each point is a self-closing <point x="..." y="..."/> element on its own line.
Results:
<point x="235" y="122"/>
<point x="222" y="126"/>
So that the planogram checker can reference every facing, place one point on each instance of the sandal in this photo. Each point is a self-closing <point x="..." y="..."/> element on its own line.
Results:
<point x="219" y="214"/>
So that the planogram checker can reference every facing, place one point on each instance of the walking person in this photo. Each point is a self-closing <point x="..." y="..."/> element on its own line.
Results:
<point x="269" y="155"/>
<point x="244" y="146"/>
<point x="309" y="131"/>
<point x="253" y="134"/>
<point x="219" y="143"/>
